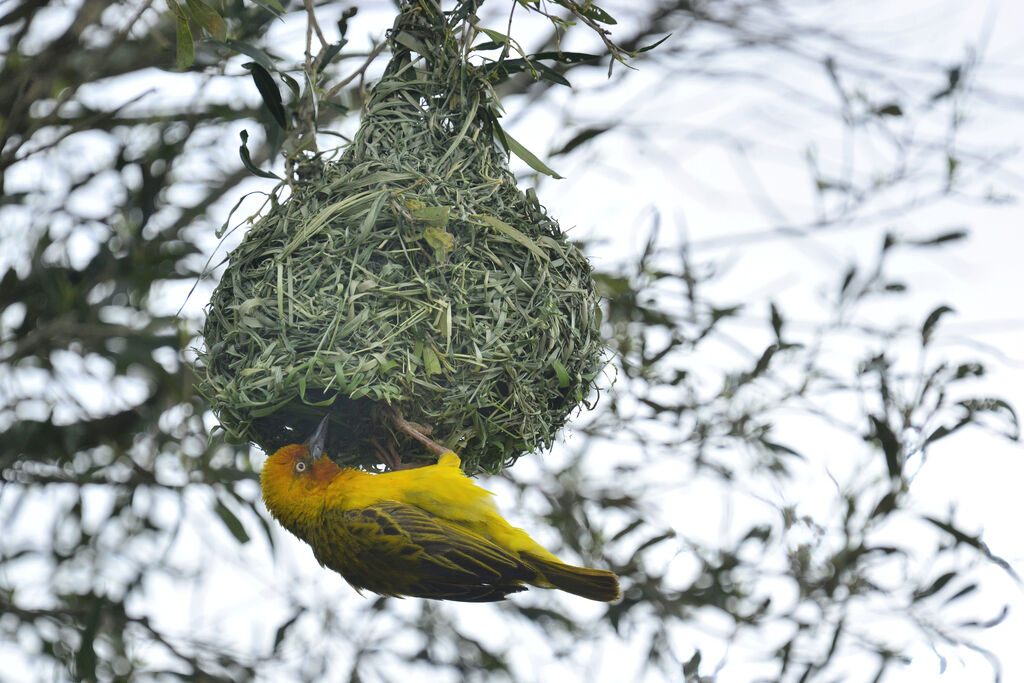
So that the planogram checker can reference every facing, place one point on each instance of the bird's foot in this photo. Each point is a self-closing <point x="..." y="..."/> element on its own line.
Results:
<point x="416" y="431"/>
<point x="387" y="454"/>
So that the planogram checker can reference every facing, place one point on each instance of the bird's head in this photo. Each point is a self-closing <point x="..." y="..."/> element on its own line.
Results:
<point x="294" y="474"/>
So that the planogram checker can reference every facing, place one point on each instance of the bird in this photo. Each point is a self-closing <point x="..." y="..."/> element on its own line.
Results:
<point x="427" y="531"/>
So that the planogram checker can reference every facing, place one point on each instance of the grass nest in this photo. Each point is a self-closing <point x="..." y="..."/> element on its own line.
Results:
<point x="411" y="271"/>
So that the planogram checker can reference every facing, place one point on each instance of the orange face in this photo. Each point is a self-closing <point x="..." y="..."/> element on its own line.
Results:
<point x="292" y="465"/>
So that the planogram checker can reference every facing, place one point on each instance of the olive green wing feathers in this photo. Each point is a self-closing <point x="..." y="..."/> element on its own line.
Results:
<point x="399" y="549"/>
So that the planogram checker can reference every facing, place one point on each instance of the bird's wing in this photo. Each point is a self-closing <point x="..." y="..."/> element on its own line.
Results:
<point x="407" y="550"/>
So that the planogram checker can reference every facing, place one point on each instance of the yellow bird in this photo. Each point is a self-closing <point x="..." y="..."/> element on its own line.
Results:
<point x="428" y="532"/>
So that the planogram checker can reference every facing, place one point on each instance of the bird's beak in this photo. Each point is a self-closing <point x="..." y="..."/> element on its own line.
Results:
<point x="318" y="440"/>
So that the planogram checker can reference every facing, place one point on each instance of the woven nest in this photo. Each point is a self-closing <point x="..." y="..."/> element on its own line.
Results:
<point x="411" y="272"/>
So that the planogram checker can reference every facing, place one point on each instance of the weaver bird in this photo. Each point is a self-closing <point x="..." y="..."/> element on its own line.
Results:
<point x="428" y="532"/>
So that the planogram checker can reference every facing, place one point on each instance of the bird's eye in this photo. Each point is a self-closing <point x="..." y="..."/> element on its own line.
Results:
<point x="300" y="466"/>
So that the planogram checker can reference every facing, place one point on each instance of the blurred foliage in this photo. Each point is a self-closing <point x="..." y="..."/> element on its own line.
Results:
<point x="118" y="497"/>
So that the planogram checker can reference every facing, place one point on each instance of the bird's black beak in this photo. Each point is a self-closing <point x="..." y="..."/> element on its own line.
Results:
<point x="318" y="440"/>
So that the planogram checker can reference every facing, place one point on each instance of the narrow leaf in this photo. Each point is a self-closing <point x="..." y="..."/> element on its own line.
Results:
<point x="891" y="109"/>
<point x="434" y="216"/>
<point x="186" y="54"/>
<point x="431" y="363"/>
<point x="851" y="273"/>
<point x="941" y="238"/>
<point x="208" y="18"/>
<point x="524" y="154"/>
<point x="269" y="92"/>
<point x="406" y="39"/>
<point x="935" y="586"/>
<point x="777" y="321"/>
<point x="566" y="57"/>
<point x="440" y="240"/>
<point x="966" y="590"/>
<point x="890" y="446"/>
<point x="563" y="375"/>
<point x="243" y="152"/>
<point x="329" y="54"/>
<point x="272" y="5"/>
<point x="261" y="57"/>
<point x="650" y="47"/>
<point x="233" y="524"/>
<point x="931" y="321"/>
<point x="282" y="630"/>
<point x="512" y="233"/>
<point x="583" y="136"/>
<point x="592" y="11"/>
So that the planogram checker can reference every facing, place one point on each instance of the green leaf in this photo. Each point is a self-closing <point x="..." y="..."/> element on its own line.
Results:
<point x="233" y="524"/>
<point x="329" y="54"/>
<point x="628" y="529"/>
<point x="431" y="362"/>
<point x="441" y="241"/>
<point x="851" y="273"/>
<point x="891" y="446"/>
<point x="267" y="410"/>
<point x="186" y="54"/>
<point x="282" y="630"/>
<point x="592" y="11"/>
<point x="885" y="506"/>
<point x="526" y="155"/>
<point x="434" y="216"/>
<point x="208" y="18"/>
<point x="998" y="408"/>
<point x="583" y="136"/>
<point x="272" y="5"/>
<point x="782" y="449"/>
<point x="763" y="362"/>
<point x="942" y="431"/>
<point x="292" y="84"/>
<point x="512" y="233"/>
<point x="648" y="48"/>
<point x="269" y="92"/>
<point x="935" y="586"/>
<point x="243" y="152"/>
<point x="931" y="321"/>
<point x="941" y="238"/>
<point x="566" y="57"/>
<point x="966" y="590"/>
<point x="261" y="57"/>
<point x="343" y="21"/>
<point x="691" y="667"/>
<point x="406" y="39"/>
<point x="504" y="68"/>
<point x="891" y="109"/>
<point x="988" y="623"/>
<point x="85" y="656"/>
<point x="486" y="46"/>
<point x="498" y="37"/>
<point x="777" y="321"/>
<point x="563" y="374"/>
<point x="973" y="541"/>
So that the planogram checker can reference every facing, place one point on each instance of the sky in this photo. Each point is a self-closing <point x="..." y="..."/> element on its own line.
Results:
<point x="699" y="188"/>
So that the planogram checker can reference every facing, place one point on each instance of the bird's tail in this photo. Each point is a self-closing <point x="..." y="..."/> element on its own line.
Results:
<point x="593" y="584"/>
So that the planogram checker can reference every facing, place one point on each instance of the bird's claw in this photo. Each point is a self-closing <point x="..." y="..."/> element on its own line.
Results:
<point x="416" y="431"/>
<point x="389" y="456"/>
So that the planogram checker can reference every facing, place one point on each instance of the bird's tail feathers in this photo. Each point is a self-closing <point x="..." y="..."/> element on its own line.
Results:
<point x="593" y="584"/>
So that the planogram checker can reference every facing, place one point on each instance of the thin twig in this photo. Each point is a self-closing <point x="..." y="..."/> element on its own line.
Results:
<point x="362" y="69"/>
<point x="312" y="25"/>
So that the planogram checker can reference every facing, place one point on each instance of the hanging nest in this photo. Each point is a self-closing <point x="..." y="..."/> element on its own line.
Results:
<point x="412" y="272"/>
